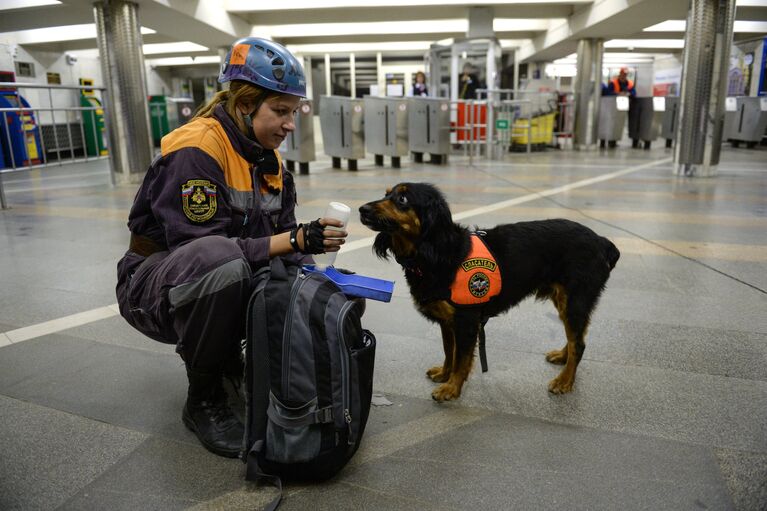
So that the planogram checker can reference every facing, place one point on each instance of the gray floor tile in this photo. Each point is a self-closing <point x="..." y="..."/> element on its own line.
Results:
<point x="49" y="455"/>
<point x="136" y="389"/>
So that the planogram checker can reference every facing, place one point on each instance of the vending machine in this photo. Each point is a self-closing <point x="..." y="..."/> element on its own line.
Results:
<point x="19" y="131"/>
<point x="93" y="120"/>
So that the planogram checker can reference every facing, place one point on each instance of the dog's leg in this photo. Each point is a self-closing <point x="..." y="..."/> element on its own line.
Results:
<point x="440" y="374"/>
<point x="559" y="297"/>
<point x="466" y="331"/>
<point x="577" y="313"/>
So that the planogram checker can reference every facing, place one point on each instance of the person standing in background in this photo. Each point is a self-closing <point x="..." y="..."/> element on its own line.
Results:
<point x="419" y="87"/>
<point x="620" y="85"/>
<point x="469" y="83"/>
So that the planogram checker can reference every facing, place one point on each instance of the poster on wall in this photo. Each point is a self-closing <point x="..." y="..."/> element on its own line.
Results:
<point x="667" y="82"/>
<point x="762" y="90"/>
<point x="741" y="72"/>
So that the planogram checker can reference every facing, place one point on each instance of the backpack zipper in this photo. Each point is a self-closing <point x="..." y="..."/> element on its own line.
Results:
<point x="345" y="391"/>
<point x="301" y="278"/>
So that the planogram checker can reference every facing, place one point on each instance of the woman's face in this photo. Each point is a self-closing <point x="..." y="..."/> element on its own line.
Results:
<point x="274" y="120"/>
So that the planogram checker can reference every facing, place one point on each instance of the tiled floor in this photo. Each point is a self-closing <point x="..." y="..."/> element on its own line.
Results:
<point x="669" y="409"/>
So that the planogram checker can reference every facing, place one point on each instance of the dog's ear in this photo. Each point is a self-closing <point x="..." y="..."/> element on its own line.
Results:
<point x="382" y="245"/>
<point x="435" y="216"/>
<point x="438" y="232"/>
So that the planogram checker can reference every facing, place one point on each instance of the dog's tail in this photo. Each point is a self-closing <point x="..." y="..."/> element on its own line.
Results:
<point x="612" y="254"/>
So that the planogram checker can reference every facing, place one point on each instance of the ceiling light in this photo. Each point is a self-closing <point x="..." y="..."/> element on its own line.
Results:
<point x="740" y="26"/>
<point x="240" y="6"/>
<point x="521" y="24"/>
<point x="9" y="5"/>
<point x="58" y="34"/>
<point x="182" y="47"/>
<point x="184" y="61"/>
<point x="645" y="43"/>
<point x="378" y="27"/>
<point x="314" y="49"/>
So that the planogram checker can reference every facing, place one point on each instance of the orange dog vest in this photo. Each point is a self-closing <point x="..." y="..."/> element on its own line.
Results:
<point x="478" y="279"/>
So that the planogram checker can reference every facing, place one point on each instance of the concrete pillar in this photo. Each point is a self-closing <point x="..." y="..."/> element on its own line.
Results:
<point x="516" y="73"/>
<point x="480" y="23"/>
<point x="307" y="63"/>
<point x="704" y="87"/>
<point x="380" y="75"/>
<point x="352" y="76"/>
<point x="328" y="85"/>
<point x="122" y="66"/>
<point x="588" y="91"/>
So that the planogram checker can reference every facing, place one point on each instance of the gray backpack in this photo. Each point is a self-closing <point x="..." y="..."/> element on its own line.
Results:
<point x="308" y="378"/>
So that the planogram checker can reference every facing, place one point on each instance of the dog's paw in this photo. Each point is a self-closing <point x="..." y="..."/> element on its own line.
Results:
<point x="437" y="374"/>
<point x="445" y="392"/>
<point x="557" y="357"/>
<point x="560" y="385"/>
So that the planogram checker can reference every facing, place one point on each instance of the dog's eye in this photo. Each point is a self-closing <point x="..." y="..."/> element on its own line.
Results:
<point x="402" y="200"/>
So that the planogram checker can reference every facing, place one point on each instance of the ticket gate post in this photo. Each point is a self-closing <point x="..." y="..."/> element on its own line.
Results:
<point x="429" y="128"/>
<point x="93" y="121"/>
<point x="342" y="121"/>
<point x="613" y="111"/>
<point x="299" y="144"/>
<point x="386" y="128"/>
<point x="644" y="121"/>
<point x="670" y="118"/>
<point x="745" y="120"/>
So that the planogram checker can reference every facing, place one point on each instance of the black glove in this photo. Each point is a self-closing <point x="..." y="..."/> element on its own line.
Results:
<point x="313" y="238"/>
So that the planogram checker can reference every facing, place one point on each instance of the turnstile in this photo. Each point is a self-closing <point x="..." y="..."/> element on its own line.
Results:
<point x="670" y="118"/>
<point x="342" y="121"/>
<point x="386" y="124"/>
<point x="299" y="144"/>
<point x="644" y="121"/>
<point x="612" y="119"/>
<point x="429" y="128"/>
<point x="166" y="114"/>
<point x="745" y="120"/>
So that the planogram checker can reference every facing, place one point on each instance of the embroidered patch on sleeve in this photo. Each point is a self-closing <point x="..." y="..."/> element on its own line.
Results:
<point x="198" y="198"/>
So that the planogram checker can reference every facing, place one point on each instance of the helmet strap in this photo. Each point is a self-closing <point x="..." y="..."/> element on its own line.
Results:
<point x="248" y="120"/>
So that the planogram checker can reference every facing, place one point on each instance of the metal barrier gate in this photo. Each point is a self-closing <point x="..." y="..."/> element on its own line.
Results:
<point x="504" y="120"/>
<point x="63" y="132"/>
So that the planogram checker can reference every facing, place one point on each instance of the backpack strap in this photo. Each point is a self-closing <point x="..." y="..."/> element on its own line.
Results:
<point x="259" y="385"/>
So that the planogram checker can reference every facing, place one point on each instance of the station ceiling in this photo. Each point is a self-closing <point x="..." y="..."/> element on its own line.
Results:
<point x="542" y="30"/>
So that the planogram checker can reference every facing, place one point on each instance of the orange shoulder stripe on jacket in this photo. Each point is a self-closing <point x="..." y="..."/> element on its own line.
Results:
<point x="207" y="134"/>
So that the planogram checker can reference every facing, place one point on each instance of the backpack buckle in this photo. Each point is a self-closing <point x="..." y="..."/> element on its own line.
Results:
<point x="324" y="416"/>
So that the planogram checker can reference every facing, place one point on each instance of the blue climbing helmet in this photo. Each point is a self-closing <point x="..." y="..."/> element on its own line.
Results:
<point x="266" y="64"/>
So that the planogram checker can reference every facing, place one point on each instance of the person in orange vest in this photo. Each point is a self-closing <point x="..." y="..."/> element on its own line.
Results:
<point x="620" y="86"/>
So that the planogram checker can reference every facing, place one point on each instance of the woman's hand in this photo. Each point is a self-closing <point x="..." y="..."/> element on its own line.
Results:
<point x="333" y="233"/>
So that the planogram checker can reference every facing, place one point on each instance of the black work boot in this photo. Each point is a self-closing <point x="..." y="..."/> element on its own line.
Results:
<point x="208" y="415"/>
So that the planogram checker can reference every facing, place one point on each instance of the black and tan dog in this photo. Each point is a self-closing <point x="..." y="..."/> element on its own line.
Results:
<point x="556" y="259"/>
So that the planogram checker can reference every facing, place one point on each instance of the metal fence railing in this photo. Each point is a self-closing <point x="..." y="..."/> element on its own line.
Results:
<point x="503" y="120"/>
<point x="58" y="129"/>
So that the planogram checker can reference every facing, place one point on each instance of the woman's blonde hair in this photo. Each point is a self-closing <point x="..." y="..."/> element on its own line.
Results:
<point x="239" y="93"/>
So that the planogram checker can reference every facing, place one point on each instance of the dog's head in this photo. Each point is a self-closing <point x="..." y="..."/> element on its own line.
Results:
<point x="408" y="218"/>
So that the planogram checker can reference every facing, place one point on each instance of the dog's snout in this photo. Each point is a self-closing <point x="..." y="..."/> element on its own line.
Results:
<point x="365" y="209"/>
